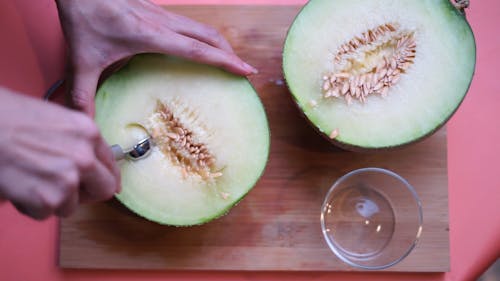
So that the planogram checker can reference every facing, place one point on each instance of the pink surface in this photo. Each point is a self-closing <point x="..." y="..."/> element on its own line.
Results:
<point x="32" y="57"/>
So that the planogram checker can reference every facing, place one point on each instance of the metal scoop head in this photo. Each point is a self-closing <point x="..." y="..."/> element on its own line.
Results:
<point x="137" y="152"/>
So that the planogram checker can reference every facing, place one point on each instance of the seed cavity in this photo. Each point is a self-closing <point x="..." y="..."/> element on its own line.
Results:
<point x="179" y="144"/>
<point x="370" y="64"/>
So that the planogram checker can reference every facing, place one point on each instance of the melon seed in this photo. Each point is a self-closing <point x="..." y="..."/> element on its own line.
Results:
<point x="334" y="134"/>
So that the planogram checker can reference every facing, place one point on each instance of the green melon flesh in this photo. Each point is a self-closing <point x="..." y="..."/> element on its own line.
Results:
<point x="425" y="97"/>
<point x="221" y="109"/>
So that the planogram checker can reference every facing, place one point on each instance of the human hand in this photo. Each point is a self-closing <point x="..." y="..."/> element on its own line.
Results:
<point x="100" y="33"/>
<point x="52" y="158"/>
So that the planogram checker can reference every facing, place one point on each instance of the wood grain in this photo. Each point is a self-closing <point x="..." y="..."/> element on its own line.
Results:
<point x="276" y="227"/>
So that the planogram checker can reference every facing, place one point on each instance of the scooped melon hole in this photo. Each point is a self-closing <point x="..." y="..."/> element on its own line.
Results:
<point x="370" y="63"/>
<point x="178" y="133"/>
<point x="136" y="133"/>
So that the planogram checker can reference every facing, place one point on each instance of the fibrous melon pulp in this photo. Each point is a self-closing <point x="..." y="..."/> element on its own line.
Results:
<point x="379" y="74"/>
<point x="210" y="135"/>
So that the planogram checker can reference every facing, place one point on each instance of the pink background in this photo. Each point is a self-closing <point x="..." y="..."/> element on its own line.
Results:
<point x="32" y="58"/>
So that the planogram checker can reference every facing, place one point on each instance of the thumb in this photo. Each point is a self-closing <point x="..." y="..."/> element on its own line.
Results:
<point x="82" y="89"/>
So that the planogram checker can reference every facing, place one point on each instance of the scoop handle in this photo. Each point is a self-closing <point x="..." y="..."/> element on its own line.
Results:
<point x="118" y="152"/>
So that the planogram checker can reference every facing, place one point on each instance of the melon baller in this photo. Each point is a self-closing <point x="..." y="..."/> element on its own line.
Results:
<point x="139" y="151"/>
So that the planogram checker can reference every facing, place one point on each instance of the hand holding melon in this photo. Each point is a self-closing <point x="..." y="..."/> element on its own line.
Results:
<point x="100" y="33"/>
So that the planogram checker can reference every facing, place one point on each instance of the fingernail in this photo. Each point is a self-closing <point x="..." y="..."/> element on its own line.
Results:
<point x="250" y="68"/>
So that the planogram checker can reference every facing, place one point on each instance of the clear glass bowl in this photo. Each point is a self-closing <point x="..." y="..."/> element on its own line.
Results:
<point x="371" y="218"/>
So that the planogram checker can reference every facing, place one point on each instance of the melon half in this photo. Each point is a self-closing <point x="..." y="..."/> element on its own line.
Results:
<point x="210" y="135"/>
<point x="379" y="74"/>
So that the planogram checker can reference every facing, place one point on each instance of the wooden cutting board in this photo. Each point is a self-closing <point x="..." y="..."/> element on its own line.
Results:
<point x="276" y="227"/>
